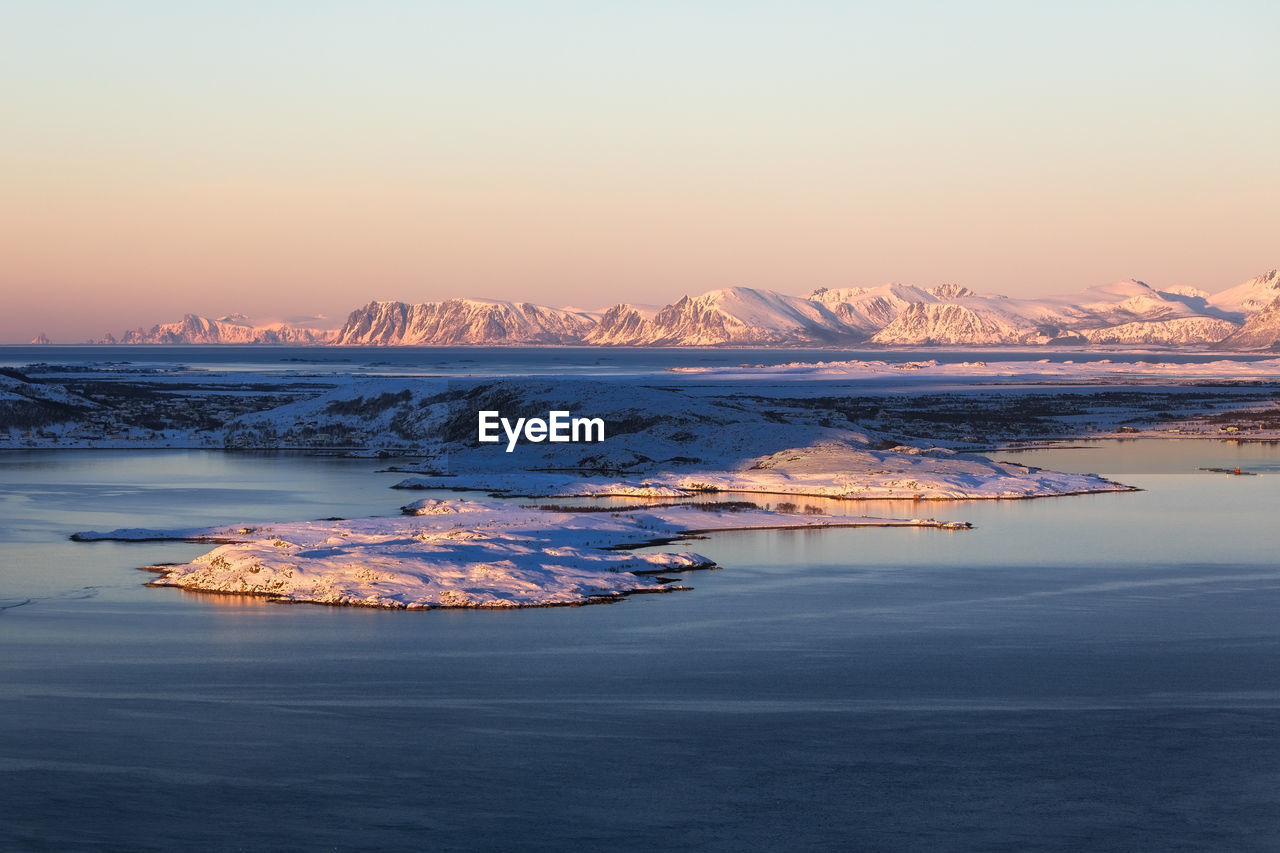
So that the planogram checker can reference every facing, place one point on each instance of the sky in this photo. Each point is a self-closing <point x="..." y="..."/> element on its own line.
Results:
<point x="285" y="159"/>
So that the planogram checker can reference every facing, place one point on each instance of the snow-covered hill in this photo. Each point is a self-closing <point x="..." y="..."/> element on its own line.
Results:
<point x="1143" y="315"/>
<point x="735" y="316"/>
<point x="870" y="309"/>
<point x="951" y="323"/>
<point x="1128" y="301"/>
<point x="1260" y="331"/>
<point x="950" y="314"/>
<point x="624" y="323"/>
<point x="1179" y="330"/>
<point x="1250" y="297"/>
<point x="232" y="329"/>
<point x="463" y="321"/>
<point x="26" y="404"/>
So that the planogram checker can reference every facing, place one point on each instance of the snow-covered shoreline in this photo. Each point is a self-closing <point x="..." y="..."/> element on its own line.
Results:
<point x="1036" y="371"/>
<point x="460" y="553"/>
<point x="823" y="469"/>
<point x="678" y="438"/>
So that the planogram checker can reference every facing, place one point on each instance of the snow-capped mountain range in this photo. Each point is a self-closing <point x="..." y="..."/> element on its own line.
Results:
<point x="1124" y="313"/>
<point x="463" y="321"/>
<point x="232" y="329"/>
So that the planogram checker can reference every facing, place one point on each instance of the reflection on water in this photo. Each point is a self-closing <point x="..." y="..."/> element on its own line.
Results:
<point x="1123" y="457"/>
<point x="1091" y="672"/>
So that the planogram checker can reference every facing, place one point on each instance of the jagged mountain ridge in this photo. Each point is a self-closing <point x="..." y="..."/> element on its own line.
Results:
<point x="232" y="329"/>
<point x="463" y="321"/>
<point x="1250" y="297"/>
<point x="1122" y="313"/>
<point x="870" y="309"/>
<point x="1179" y="330"/>
<point x="1260" y="331"/>
<point x="1127" y="312"/>
<point x="741" y="316"/>
<point x="951" y="323"/>
<point x="1143" y="314"/>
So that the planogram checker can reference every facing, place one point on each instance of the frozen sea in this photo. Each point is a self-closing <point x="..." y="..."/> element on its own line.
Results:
<point x="520" y="361"/>
<point x="1082" y="673"/>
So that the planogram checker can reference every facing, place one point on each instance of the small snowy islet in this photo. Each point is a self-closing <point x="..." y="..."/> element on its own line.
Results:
<point x="462" y="553"/>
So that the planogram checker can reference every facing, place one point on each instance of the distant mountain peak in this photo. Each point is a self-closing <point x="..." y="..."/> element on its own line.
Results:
<point x="1249" y="297"/>
<point x="1126" y="312"/>
<point x="462" y="321"/>
<point x="233" y="329"/>
<point x="951" y="291"/>
<point x="1260" y="331"/>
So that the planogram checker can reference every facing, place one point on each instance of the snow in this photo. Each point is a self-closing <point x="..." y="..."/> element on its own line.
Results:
<point x="945" y="323"/>
<point x="833" y="469"/>
<point x="1179" y="330"/>
<point x="230" y="329"/>
<point x="667" y="441"/>
<point x="869" y="310"/>
<point x="764" y="308"/>
<point x="953" y="315"/>
<point x="1101" y="371"/>
<point x="1260" y="331"/>
<point x="20" y="390"/>
<point x="464" y="554"/>
<point x="892" y="314"/>
<point x="1253" y="295"/>
<point x="778" y="430"/>
<point x="462" y="321"/>
<point x="728" y="316"/>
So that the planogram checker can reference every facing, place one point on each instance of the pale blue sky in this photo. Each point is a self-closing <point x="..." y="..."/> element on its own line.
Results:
<point x="285" y="157"/>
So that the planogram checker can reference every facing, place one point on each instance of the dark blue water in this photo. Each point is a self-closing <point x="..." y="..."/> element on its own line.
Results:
<point x="515" y="361"/>
<point x="1083" y="673"/>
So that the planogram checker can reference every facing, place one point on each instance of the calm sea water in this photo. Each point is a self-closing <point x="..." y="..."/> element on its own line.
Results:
<point x="1083" y="673"/>
<point x="518" y="361"/>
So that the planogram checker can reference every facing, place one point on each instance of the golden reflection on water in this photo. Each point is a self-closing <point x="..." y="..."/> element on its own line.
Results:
<point x="228" y="600"/>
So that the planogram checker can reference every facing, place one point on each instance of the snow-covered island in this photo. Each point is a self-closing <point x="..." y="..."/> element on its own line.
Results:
<point x="673" y="444"/>
<point x="678" y="441"/>
<point x="833" y="468"/>
<point x="842" y="430"/>
<point x="460" y="553"/>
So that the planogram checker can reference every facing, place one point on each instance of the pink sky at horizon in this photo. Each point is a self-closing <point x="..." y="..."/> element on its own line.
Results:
<point x="293" y="159"/>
